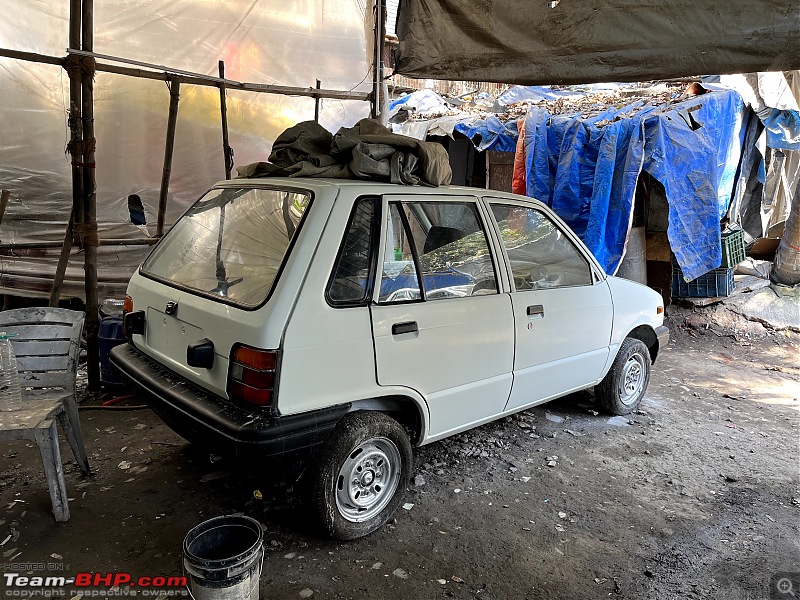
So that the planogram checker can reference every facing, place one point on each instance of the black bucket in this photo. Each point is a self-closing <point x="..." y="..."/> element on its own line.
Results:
<point x="222" y="558"/>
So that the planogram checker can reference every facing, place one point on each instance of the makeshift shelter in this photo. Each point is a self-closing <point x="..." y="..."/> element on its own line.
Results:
<point x="140" y="51"/>
<point x="583" y="154"/>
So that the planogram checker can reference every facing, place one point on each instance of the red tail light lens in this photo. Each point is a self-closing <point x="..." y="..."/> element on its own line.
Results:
<point x="252" y="375"/>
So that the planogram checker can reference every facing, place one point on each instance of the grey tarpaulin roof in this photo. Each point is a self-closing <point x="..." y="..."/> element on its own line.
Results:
<point x="582" y="41"/>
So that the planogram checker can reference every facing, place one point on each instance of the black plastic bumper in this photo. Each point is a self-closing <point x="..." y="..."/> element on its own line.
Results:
<point x="662" y="335"/>
<point x="214" y="422"/>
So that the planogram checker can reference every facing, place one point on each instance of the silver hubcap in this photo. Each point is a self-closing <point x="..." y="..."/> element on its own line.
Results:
<point x="632" y="379"/>
<point x="368" y="479"/>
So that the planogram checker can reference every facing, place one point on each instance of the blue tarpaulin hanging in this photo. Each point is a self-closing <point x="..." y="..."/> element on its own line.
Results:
<point x="586" y="169"/>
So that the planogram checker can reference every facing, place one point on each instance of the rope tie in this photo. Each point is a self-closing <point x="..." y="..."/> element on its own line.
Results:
<point x="87" y="234"/>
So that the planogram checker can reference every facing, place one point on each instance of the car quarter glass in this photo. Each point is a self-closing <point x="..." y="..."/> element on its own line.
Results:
<point x="351" y="280"/>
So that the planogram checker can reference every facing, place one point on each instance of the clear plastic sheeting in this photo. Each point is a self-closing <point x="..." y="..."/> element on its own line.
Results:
<point x="261" y="41"/>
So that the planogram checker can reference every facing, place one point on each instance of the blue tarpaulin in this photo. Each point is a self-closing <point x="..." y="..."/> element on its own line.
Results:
<point x="586" y="169"/>
<point x="490" y="134"/>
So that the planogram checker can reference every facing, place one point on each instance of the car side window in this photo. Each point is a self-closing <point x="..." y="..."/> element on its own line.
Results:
<point x="399" y="277"/>
<point x="351" y="280"/>
<point x="452" y="248"/>
<point x="541" y="256"/>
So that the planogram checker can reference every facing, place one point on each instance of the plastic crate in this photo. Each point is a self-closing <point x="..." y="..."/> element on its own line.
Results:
<point x="713" y="284"/>
<point x="732" y="248"/>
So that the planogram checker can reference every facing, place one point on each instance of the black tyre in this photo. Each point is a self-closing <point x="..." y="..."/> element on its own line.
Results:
<point x="623" y="388"/>
<point x="361" y="475"/>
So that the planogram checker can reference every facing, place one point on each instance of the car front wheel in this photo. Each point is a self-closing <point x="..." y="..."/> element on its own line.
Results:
<point x="361" y="476"/>
<point x="623" y="388"/>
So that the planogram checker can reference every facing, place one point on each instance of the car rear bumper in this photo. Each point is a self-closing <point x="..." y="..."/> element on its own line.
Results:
<point x="214" y="422"/>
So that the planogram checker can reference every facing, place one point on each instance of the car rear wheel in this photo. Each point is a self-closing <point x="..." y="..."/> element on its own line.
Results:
<point x="362" y="474"/>
<point x="623" y="388"/>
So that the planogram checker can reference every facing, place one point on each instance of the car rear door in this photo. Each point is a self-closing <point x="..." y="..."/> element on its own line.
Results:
<point x="440" y="322"/>
<point x="562" y="305"/>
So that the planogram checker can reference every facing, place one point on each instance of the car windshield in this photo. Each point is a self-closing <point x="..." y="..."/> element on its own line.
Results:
<point x="231" y="244"/>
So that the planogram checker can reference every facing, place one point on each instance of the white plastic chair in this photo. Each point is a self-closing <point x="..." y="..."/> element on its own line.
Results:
<point x="46" y="346"/>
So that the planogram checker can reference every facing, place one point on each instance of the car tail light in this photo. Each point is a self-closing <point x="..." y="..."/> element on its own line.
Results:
<point x="252" y="375"/>
<point x="127" y="307"/>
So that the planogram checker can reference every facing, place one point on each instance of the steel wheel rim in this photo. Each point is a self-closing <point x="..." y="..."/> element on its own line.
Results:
<point x="631" y="380"/>
<point x="368" y="479"/>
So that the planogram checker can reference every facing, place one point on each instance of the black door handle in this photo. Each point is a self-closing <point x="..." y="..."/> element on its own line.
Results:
<point x="536" y="309"/>
<point x="408" y="327"/>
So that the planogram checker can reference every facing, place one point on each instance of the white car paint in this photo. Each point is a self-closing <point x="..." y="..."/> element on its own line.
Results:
<point x="472" y="360"/>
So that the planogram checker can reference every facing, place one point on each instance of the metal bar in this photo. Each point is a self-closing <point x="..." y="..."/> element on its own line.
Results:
<point x="227" y="151"/>
<point x="207" y="80"/>
<point x="174" y="97"/>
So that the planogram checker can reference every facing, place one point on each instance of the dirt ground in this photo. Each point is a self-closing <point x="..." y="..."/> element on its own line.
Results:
<point x="695" y="496"/>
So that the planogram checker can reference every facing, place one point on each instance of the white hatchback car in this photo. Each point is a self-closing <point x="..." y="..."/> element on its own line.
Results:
<point x="357" y="319"/>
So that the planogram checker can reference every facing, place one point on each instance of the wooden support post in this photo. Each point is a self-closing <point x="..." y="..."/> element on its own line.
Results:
<point x="3" y="203"/>
<point x="74" y="120"/>
<point x="63" y="261"/>
<point x="89" y="224"/>
<point x="316" y="103"/>
<point x="174" y="96"/>
<point x="227" y="151"/>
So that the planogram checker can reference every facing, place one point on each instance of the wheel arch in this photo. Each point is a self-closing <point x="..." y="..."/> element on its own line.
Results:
<point x="647" y="335"/>
<point x="403" y="409"/>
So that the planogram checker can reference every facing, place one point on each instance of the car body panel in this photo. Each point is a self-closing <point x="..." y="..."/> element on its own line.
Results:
<point x="471" y="359"/>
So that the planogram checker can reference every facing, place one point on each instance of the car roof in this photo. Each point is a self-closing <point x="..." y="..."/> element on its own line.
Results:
<point x="314" y="183"/>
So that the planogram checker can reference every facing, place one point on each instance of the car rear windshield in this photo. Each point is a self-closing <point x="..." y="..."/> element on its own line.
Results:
<point x="231" y="244"/>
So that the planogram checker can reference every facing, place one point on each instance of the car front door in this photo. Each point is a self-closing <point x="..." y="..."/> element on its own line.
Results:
<point x="562" y="307"/>
<point x="440" y="324"/>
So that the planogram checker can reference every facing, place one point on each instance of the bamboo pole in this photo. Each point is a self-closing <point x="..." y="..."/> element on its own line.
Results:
<point x="33" y="57"/>
<point x="187" y="77"/>
<point x="227" y="151"/>
<point x="174" y="97"/>
<point x="61" y="268"/>
<point x="316" y="103"/>
<point x="164" y="73"/>
<point x="92" y="323"/>
<point x="3" y="203"/>
<point x="12" y="246"/>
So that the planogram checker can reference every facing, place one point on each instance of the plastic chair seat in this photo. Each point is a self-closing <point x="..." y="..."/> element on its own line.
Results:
<point x="47" y="346"/>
